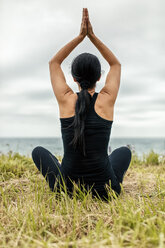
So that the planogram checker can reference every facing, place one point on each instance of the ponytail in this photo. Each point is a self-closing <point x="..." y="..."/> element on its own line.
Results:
<point x="81" y="110"/>
<point x="86" y="69"/>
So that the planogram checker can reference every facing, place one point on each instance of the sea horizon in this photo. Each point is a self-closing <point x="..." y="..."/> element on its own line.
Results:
<point x="52" y="137"/>
<point x="25" y="145"/>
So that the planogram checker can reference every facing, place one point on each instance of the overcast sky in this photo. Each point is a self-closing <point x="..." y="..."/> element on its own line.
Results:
<point x="33" y="31"/>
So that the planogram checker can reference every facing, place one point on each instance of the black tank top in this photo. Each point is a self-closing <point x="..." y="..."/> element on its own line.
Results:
<point x="94" y="169"/>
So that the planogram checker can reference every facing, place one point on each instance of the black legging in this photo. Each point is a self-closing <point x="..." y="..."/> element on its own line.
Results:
<point x="49" y="165"/>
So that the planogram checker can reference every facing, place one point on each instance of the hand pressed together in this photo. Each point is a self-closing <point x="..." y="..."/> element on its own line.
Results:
<point x="86" y="27"/>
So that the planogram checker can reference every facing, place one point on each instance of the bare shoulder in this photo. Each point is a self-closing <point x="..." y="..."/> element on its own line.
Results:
<point x="68" y="98"/>
<point x="104" y="106"/>
<point x="104" y="99"/>
<point x="67" y="106"/>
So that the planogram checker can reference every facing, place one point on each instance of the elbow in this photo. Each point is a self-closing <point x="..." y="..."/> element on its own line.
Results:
<point x="51" y="62"/>
<point x="54" y="62"/>
<point x="118" y="63"/>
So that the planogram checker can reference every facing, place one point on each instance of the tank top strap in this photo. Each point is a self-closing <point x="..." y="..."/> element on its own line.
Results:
<point x="93" y="100"/>
<point x="92" y="103"/>
<point x="95" y="96"/>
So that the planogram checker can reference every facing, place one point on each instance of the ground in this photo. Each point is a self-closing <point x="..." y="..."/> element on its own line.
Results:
<point x="31" y="215"/>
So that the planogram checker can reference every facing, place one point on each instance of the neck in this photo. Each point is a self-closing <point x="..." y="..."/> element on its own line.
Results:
<point x="91" y="91"/>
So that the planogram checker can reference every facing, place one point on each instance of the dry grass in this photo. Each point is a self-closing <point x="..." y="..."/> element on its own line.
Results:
<point x="31" y="215"/>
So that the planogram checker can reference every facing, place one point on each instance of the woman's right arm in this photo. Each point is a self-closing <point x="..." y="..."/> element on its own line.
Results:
<point x="113" y="77"/>
<point x="104" y="50"/>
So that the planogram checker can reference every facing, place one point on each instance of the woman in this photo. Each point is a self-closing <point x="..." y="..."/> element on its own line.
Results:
<point x="86" y="118"/>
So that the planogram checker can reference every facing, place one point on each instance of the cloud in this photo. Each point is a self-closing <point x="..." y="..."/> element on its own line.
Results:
<point x="32" y="32"/>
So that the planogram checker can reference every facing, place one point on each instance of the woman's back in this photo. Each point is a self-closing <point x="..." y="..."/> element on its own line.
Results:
<point x="95" y="166"/>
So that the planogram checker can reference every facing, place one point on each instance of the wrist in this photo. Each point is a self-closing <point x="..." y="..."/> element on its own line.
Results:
<point x="81" y="37"/>
<point x="91" y="36"/>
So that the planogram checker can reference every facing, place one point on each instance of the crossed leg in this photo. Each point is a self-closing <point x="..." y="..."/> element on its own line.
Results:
<point x="47" y="164"/>
<point x="50" y="167"/>
<point x="120" y="160"/>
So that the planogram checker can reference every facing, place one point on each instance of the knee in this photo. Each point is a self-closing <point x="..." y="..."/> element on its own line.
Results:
<point x="127" y="151"/>
<point x="36" y="152"/>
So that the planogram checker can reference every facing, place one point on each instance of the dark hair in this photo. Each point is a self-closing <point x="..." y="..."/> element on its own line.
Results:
<point x="86" y="69"/>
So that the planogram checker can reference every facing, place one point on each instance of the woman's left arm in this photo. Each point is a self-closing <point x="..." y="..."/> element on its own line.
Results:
<point x="60" y="87"/>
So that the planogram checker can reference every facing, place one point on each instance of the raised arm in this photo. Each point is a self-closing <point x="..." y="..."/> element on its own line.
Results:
<point x="60" y="87"/>
<point x="113" y="77"/>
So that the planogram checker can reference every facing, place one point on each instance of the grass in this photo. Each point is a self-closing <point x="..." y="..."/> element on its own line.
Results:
<point x="31" y="215"/>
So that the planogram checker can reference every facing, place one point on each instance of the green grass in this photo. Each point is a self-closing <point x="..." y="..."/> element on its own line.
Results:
<point x="31" y="215"/>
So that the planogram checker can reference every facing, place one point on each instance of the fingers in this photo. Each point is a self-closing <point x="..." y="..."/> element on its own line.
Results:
<point x="84" y="21"/>
<point x="85" y="12"/>
<point x="86" y="15"/>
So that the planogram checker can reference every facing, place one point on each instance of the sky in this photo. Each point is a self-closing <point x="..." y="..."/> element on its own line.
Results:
<point x="33" y="31"/>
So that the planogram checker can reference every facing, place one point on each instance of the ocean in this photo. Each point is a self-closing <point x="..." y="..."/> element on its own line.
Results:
<point x="25" y="146"/>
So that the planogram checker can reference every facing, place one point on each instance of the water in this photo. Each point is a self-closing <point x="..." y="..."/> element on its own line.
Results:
<point x="24" y="146"/>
